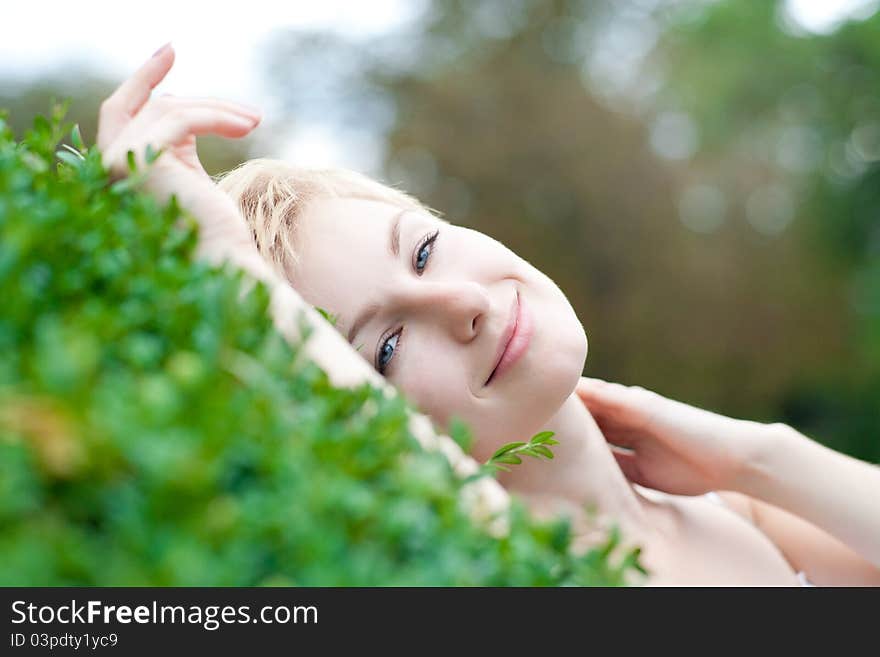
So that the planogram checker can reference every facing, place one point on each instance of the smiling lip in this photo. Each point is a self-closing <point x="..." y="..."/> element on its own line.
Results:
<point x="514" y="341"/>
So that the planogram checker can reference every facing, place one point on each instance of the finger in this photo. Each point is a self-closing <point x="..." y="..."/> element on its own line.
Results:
<point x="601" y="394"/>
<point x="177" y="125"/>
<point x="602" y="417"/>
<point x="167" y="102"/>
<point x="611" y="431"/>
<point x="591" y="386"/>
<point x="135" y="91"/>
<point x="631" y="406"/>
<point x="131" y="95"/>
<point x="178" y="130"/>
<point x="621" y="438"/>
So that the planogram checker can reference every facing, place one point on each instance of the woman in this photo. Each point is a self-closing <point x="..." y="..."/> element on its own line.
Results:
<point x="467" y="329"/>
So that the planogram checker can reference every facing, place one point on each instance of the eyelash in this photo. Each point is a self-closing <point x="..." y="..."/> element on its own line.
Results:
<point x="428" y="240"/>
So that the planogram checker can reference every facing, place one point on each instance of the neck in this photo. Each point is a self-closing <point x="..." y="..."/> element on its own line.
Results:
<point x="583" y="470"/>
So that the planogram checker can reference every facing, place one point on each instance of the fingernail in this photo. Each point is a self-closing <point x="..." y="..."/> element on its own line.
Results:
<point x="162" y="49"/>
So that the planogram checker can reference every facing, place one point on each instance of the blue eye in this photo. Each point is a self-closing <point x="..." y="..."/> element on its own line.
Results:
<point x="426" y="248"/>
<point x="386" y="352"/>
<point x="388" y="348"/>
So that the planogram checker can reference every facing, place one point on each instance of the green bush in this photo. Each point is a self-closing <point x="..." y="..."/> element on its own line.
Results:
<point x="156" y="430"/>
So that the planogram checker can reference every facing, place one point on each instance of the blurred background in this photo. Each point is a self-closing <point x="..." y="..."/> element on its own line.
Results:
<point x="701" y="178"/>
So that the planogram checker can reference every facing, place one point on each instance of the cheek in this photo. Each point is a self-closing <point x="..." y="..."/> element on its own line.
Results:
<point x="436" y="386"/>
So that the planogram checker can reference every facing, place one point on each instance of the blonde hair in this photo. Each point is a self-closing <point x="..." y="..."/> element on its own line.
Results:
<point x="271" y="195"/>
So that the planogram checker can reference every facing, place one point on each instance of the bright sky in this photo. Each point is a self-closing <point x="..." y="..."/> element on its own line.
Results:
<point x="823" y="16"/>
<point x="218" y="44"/>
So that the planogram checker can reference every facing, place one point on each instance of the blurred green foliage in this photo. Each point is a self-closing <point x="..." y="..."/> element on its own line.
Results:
<point x="156" y="430"/>
<point x="780" y="109"/>
<point x="700" y="181"/>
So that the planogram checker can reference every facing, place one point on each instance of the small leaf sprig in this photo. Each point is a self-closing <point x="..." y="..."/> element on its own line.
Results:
<point x="509" y="454"/>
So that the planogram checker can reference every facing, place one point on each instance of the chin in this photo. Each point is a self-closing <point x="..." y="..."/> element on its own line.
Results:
<point x="543" y="387"/>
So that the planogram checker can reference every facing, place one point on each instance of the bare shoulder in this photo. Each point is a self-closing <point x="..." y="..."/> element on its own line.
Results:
<point x="703" y="542"/>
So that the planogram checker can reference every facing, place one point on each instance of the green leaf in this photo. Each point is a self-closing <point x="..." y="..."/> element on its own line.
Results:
<point x="42" y="126"/>
<point x="34" y="162"/>
<point x="508" y="458"/>
<point x="632" y="561"/>
<point x="459" y="432"/>
<point x="122" y="186"/>
<point x="69" y="158"/>
<point x="542" y="437"/>
<point x="506" y="448"/>
<point x="132" y="163"/>
<point x="77" y="140"/>
<point x="73" y="151"/>
<point x="543" y="451"/>
<point x="612" y="542"/>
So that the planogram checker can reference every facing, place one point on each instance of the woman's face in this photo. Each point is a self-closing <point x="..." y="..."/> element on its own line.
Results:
<point x="433" y="306"/>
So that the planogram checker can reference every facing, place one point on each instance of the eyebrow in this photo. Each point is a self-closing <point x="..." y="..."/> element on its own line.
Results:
<point x="394" y="239"/>
<point x="394" y="249"/>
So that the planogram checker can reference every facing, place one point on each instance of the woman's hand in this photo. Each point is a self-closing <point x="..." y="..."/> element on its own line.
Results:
<point x="130" y="120"/>
<point x="670" y="446"/>
<point x="683" y="450"/>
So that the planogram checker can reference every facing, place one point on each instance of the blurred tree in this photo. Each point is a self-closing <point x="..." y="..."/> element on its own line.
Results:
<point x="790" y="122"/>
<point x="494" y="115"/>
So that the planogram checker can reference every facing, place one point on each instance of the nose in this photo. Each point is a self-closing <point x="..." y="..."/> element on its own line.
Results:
<point x="460" y="306"/>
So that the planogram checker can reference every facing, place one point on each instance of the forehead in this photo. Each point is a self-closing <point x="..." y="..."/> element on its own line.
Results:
<point x="343" y="252"/>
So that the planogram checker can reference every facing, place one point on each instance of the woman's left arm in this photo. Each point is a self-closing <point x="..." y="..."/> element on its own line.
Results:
<point x="832" y="491"/>
<point x="826" y="560"/>
<point x="808" y="498"/>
